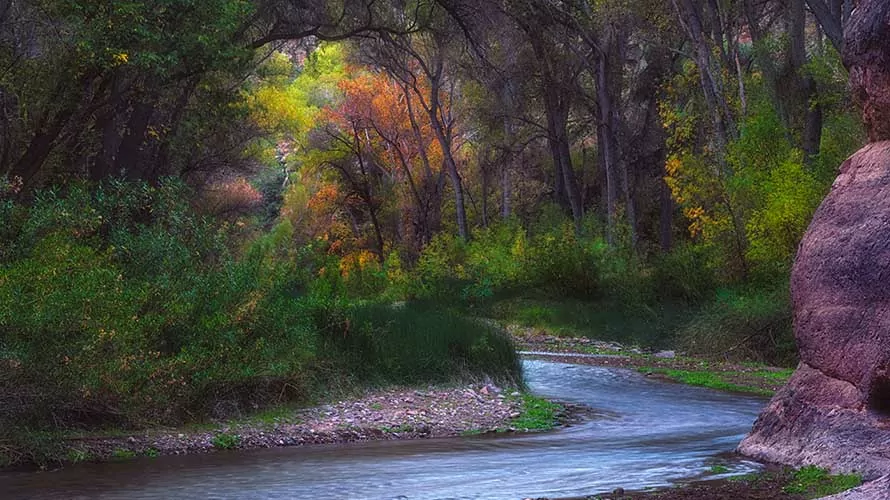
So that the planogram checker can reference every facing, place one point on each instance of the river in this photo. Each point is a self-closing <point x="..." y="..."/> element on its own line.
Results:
<point x="648" y="433"/>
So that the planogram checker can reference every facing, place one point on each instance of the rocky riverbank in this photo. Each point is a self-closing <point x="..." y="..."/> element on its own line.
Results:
<point x="381" y="415"/>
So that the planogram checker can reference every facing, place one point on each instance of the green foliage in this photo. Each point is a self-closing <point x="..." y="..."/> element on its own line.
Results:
<point x="687" y="272"/>
<point x="790" y="195"/>
<point x="743" y="325"/>
<point x="120" y="306"/>
<point x="751" y="207"/>
<point x="162" y="37"/>
<point x="225" y="441"/>
<point x="122" y="297"/>
<point x="711" y="380"/>
<point x="815" y="482"/>
<point x="123" y="454"/>
<point x="76" y="456"/>
<point x="413" y="343"/>
<point x="505" y="258"/>
<point x="537" y="414"/>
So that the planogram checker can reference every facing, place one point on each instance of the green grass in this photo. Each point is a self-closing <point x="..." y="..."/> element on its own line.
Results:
<point x="778" y="376"/>
<point x="719" y="469"/>
<point x="421" y="343"/>
<point x="537" y="414"/>
<point x="225" y="441"/>
<point x="721" y="381"/>
<point x="268" y="417"/>
<point x="76" y="456"/>
<point x="398" y="428"/>
<point x="123" y="454"/>
<point x="815" y="482"/>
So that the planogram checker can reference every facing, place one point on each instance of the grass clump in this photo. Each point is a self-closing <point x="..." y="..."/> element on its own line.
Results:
<point x="417" y="343"/>
<point x="225" y="441"/>
<point x="123" y="454"/>
<point x="537" y="414"/>
<point x="815" y="482"/>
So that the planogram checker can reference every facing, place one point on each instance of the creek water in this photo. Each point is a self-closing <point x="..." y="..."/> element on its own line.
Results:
<point x="647" y="433"/>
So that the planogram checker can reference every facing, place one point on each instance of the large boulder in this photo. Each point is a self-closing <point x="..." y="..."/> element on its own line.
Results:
<point x="835" y="411"/>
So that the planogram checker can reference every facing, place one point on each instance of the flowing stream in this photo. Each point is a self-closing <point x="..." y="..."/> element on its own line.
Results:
<point x="648" y="433"/>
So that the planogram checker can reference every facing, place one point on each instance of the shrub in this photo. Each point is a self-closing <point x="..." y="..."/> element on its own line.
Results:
<point x="413" y="343"/>
<point x="743" y="325"/>
<point x="685" y="273"/>
<point x="121" y="306"/>
<point x="225" y="441"/>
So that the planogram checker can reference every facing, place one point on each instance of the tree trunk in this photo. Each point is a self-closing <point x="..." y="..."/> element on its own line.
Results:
<point x="557" y="121"/>
<point x="450" y="166"/>
<point x="129" y="160"/>
<point x="607" y="144"/>
<point x="724" y="126"/>
<point x="666" y="218"/>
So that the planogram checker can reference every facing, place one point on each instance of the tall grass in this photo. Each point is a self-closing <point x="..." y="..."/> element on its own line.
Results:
<point x="411" y="343"/>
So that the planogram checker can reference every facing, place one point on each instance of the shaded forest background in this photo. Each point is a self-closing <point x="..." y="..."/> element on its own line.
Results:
<point x="208" y="207"/>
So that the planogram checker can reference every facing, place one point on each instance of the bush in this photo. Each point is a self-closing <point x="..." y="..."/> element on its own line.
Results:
<point x="743" y="325"/>
<point x="685" y="273"/>
<point x="120" y="306"/>
<point x="504" y="258"/>
<point x="412" y="343"/>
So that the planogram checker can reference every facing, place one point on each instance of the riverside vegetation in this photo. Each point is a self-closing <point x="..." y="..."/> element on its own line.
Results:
<point x="206" y="213"/>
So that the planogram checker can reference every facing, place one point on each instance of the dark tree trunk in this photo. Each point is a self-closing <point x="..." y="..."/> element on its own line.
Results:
<point x="608" y="144"/>
<point x="557" y="123"/>
<point x="666" y="218"/>
<point x="129" y="159"/>
<point x="724" y="124"/>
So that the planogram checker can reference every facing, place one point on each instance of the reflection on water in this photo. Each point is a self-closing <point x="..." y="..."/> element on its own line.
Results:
<point x="651" y="434"/>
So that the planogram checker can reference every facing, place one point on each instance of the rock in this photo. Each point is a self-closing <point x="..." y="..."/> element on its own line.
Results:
<point x="866" y="54"/>
<point x="665" y="355"/>
<point x="835" y="410"/>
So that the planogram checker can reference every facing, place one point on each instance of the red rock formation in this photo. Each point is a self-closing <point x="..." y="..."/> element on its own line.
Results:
<point x="867" y="55"/>
<point x="835" y="410"/>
